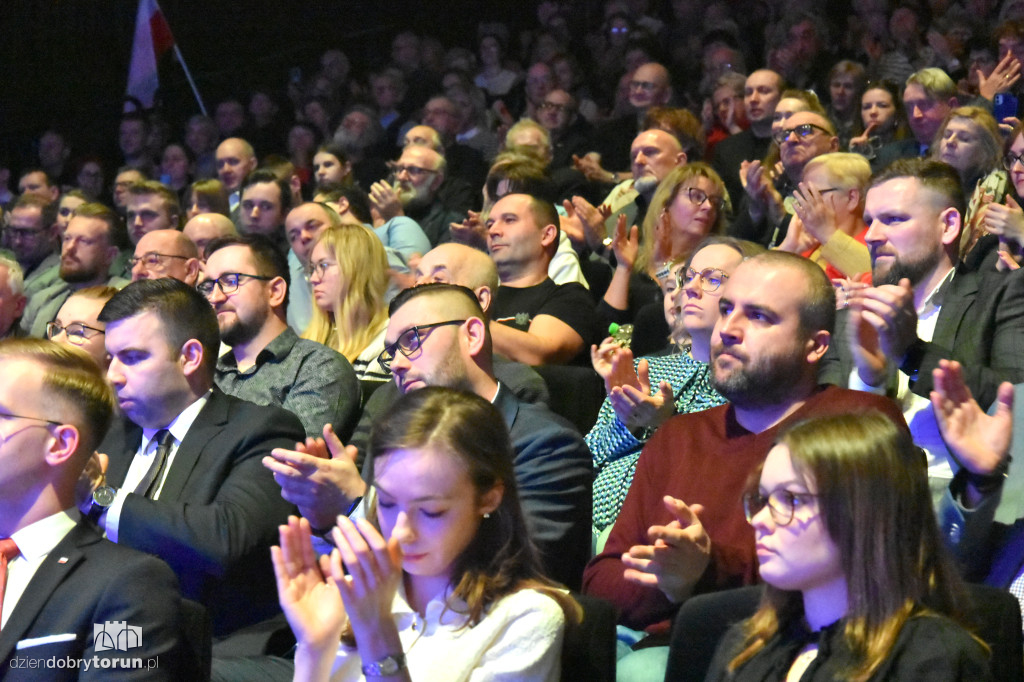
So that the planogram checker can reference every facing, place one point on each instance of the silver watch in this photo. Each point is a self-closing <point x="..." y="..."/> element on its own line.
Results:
<point x="389" y="665"/>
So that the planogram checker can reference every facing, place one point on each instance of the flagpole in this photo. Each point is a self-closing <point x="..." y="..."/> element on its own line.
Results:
<point x="188" y="75"/>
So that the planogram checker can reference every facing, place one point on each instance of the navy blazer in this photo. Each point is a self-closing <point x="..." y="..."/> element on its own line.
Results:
<point x="219" y="507"/>
<point x="86" y="581"/>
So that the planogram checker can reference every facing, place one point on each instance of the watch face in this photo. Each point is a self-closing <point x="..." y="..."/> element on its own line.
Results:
<point x="389" y="666"/>
<point x="104" y="495"/>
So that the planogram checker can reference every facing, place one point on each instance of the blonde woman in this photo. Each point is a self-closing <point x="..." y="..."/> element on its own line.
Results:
<point x="349" y="276"/>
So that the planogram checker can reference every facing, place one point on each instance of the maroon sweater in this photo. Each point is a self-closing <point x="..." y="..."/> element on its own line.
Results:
<point x="701" y="458"/>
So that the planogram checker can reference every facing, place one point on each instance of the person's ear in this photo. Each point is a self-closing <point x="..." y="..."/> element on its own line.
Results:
<point x="278" y="290"/>
<point x="491" y="500"/>
<point x="484" y="295"/>
<point x="817" y="345"/>
<point x="951" y="224"/>
<point x="192" y="269"/>
<point x="476" y="335"/>
<point x="191" y="356"/>
<point x="64" y="444"/>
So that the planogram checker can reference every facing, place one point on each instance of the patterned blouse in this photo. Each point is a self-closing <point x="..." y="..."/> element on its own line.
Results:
<point x="616" y="449"/>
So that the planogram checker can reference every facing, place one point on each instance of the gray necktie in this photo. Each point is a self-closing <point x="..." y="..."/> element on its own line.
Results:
<point x="151" y="481"/>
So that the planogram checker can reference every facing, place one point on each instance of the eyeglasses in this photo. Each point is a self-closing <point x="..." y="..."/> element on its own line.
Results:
<point x="802" y="131"/>
<point x="152" y="259"/>
<point x="409" y="341"/>
<point x="228" y="283"/>
<point x="319" y="269"/>
<point x="77" y="332"/>
<point x="1011" y="159"/>
<point x="415" y="172"/>
<point x="698" y="196"/>
<point x="782" y="504"/>
<point x="8" y="415"/>
<point x="24" y="233"/>
<point x="711" y="279"/>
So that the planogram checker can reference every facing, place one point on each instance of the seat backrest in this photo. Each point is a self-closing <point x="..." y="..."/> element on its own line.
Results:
<point x="588" y="652"/>
<point x="700" y="624"/>
<point x="197" y="646"/>
<point x="995" y="615"/>
<point x="576" y="393"/>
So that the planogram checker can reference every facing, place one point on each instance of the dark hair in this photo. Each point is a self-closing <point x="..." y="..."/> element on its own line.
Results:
<point x="262" y="176"/>
<point x="433" y="288"/>
<point x="184" y="313"/>
<point x="500" y="559"/>
<point x="169" y="196"/>
<point x="358" y="200"/>
<point x="37" y="169"/>
<point x="268" y="259"/>
<point x="872" y="485"/>
<point x="939" y="177"/>
<point x="212" y="192"/>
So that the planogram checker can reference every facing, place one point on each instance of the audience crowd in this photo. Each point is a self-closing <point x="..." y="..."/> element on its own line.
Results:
<point x="497" y="331"/>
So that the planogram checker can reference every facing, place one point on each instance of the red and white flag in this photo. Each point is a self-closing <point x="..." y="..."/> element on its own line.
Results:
<point x="152" y="40"/>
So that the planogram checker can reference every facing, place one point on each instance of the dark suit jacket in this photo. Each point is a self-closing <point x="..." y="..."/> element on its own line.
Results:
<point x="219" y="508"/>
<point x="898" y="149"/>
<point x="730" y="154"/>
<point x="981" y="324"/>
<point x="87" y="581"/>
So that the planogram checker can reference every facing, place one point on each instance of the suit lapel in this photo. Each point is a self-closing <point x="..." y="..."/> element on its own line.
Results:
<point x="961" y="294"/>
<point x="40" y="589"/>
<point x="208" y="423"/>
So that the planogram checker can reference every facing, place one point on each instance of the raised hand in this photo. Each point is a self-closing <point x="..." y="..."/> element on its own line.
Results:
<point x="374" y="568"/>
<point x="318" y="476"/>
<point x="636" y="407"/>
<point x="384" y="198"/>
<point x="678" y="555"/>
<point x="882" y="326"/>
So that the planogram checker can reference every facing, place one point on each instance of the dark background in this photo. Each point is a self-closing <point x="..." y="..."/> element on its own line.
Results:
<point x="64" y="63"/>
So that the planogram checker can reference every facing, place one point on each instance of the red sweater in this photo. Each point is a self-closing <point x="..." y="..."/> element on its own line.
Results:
<point x="704" y="458"/>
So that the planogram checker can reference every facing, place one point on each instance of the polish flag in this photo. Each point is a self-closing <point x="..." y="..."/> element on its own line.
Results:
<point x="152" y="40"/>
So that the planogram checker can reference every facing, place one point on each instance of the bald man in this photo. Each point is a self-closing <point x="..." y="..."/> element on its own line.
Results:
<point x="424" y="136"/>
<point x="166" y="253"/>
<point x="206" y="227"/>
<point x="650" y="86"/>
<point x="414" y="192"/>
<point x="235" y="159"/>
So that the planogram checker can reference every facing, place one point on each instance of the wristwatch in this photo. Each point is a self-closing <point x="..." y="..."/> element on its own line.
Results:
<point x="389" y="665"/>
<point x="102" y="498"/>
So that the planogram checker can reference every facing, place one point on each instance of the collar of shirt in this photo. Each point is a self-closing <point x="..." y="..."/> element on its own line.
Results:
<point x="181" y="424"/>
<point x="933" y="301"/>
<point x="277" y="349"/>
<point x="38" y="539"/>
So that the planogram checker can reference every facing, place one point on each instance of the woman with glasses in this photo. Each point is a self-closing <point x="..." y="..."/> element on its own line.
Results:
<point x="642" y="395"/>
<point x="689" y="204"/>
<point x="969" y="141"/>
<point x="440" y="580"/>
<point x="349" y="276"/>
<point x="1006" y="220"/>
<point x="858" y="584"/>
<point x="77" y="323"/>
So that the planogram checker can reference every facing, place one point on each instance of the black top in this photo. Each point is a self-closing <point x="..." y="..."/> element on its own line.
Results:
<point x="929" y="649"/>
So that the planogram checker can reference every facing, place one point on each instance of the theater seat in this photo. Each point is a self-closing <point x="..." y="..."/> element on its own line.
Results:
<point x="576" y="393"/>
<point x="588" y="652"/>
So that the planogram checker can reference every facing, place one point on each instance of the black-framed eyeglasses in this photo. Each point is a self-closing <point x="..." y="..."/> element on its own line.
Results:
<point x="802" y="131"/>
<point x="1011" y="159"/>
<point x="555" y="106"/>
<point x="409" y="341"/>
<point x="711" y="279"/>
<point x="76" y="332"/>
<point x="698" y="196"/>
<point x="8" y="415"/>
<point x="151" y="259"/>
<point x="782" y="504"/>
<point x="228" y="283"/>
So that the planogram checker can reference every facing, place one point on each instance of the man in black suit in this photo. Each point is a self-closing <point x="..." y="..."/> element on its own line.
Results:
<point x="185" y="459"/>
<point x="437" y="336"/>
<point x="924" y="306"/>
<point x="62" y="579"/>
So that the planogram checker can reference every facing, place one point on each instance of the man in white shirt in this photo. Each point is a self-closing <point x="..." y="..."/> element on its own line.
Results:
<point x="62" y="583"/>
<point x="925" y="306"/>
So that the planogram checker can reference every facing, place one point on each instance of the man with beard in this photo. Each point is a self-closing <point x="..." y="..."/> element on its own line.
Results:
<point x="681" y="531"/>
<point x="87" y="252"/>
<point x="925" y="307"/>
<point x="418" y="175"/>
<point x="438" y="336"/>
<point x="268" y="364"/>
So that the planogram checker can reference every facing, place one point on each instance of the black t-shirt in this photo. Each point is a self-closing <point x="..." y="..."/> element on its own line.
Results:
<point x="570" y="303"/>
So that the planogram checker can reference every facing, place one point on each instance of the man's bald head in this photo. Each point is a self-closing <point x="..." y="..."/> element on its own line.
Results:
<point x="424" y="136"/>
<point x="651" y="86"/>
<point x="462" y="265"/>
<point x="206" y="227"/>
<point x="166" y="253"/>
<point x="235" y="159"/>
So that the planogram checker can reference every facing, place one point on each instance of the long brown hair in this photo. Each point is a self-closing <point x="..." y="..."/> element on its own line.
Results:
<point x="500" y="559"/>
<point x="872" y="488"/>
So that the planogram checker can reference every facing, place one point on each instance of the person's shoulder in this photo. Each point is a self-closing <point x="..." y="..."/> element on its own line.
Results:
<point x="932" y="640"/>
<point x="528" y="603"/>
<point x="831" y="399"/>
<point x="307" y="348"/>
<point x="258" y="417"/>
